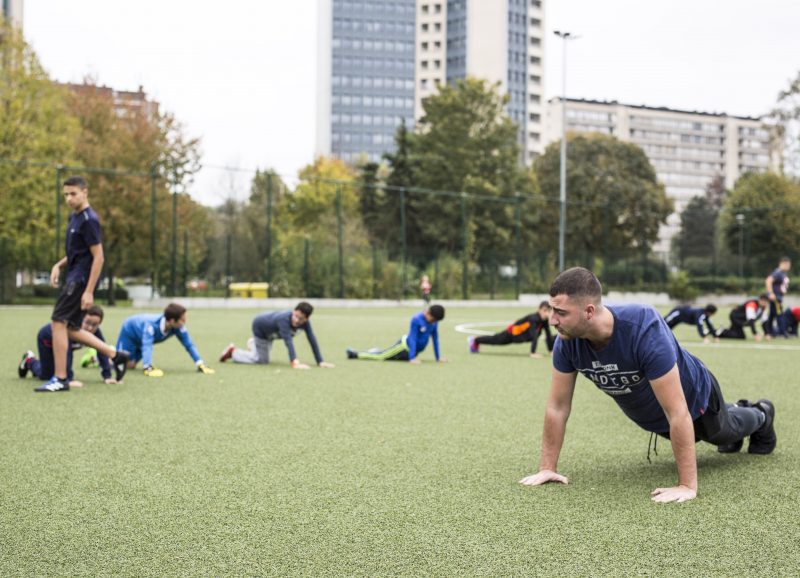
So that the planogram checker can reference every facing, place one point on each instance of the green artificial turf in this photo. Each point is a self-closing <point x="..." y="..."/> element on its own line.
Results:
<point x="373" y="469"/>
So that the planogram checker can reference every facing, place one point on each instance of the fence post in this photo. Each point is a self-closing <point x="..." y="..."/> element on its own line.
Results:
<point x="174" y="264"/>
<point x="269" y="231"/>
<point x="518" y="243"/>
<point x="184" y="290"/>
<point x="375" y="271"/>
<point x="339" y="238"/>
<point x="465" y="256"/>
<point x="305" y="266"/>
<point x="403" y="243"/>
<point x="153" y="253"/>
<point x="59" y="168"/>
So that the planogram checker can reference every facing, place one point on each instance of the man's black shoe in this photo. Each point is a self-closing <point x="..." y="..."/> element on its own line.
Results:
<point x="735" y="446"/>
<point x="764" y="440"/>
<point x="351" y="354"/>
<point x="120" y="362"/>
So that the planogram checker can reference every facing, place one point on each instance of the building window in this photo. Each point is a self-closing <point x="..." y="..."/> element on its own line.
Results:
<point x="534" y="117"/>
<point x="423" y="84"/>
<point x="424" y="46"/>
<point x="425" y="8"/>
<point x="437" y="45"/>
<point x="536" y="60"/>
<point x="424" y="65"/>
<point x="437" y="8"/>
<point x="437" y="27"/>
<point x="424" y="27"/>
<point x="437" y="64"/>
<point x="535" y="41"/>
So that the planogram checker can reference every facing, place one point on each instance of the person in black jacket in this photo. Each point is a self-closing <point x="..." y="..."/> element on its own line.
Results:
<point x="522" y="330"/>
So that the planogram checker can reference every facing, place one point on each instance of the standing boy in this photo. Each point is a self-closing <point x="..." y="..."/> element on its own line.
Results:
<point x="424" y="328"/>
<point x="43" y="368"/>
<point x="267" y="327"/>
<point x="776" y="285"/>
<point x="521" y="331"/>
<point x="140" y="333"/>
<point x="84" y="261"/>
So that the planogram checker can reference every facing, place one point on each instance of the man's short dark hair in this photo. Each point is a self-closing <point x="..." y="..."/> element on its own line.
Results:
<point x="577" y="283"/>
<point x="305" y="308"/>
<point x="710" y="309"/>
<point x="95" y="311"/>
<point x="174" y="311"/>
<point x="76" y="181"/>
<point x="763" y="297"/>
<point x="545" y="305"/>
<point x="437" y="312"/>
<point x="785" y="259"/>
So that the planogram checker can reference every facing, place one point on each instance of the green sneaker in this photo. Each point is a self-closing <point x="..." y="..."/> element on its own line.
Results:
<point x="89" y="358"/>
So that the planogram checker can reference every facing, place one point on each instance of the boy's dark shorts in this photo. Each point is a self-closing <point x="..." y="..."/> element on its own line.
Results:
<point x="68" y="306"/>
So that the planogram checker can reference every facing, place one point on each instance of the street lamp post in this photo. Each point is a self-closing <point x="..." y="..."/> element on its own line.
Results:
<point x="740" y="221"/>
<point x="563" y="164"/>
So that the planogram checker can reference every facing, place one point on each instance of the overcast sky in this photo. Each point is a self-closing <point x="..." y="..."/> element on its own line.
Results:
<point x="242" y="74"/>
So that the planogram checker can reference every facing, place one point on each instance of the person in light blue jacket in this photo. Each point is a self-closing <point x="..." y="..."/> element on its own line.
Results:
<point x="140" y="333"/>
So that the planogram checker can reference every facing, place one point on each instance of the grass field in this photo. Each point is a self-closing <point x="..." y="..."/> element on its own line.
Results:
<point x="374" y="469"/>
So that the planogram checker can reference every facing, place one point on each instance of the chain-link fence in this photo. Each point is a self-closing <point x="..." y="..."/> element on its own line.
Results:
<point x="329" y="238"/>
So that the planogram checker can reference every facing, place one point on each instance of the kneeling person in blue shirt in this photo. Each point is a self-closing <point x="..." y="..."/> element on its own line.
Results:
<point x="424" y="328"/>
<point x="140" y="333"/>
<point x="629" y="353"/>
<point x="44" y="366"/>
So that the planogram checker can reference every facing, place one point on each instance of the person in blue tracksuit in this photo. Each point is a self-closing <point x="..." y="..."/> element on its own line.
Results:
<point x="140" y="333"/>
<point x="696" y="316"/>
<point x="44" y="368"/>
<point x="424" y="328"/>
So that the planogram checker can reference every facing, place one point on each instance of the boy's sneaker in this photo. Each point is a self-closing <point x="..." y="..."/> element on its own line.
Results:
<point x="227" y="353"/>
<point x="351" y="354"/>
<point x="120" y="363"/>
<point x="735" y="446"/>
<point x="23" y="369"/>
<point x="53" y="385"/>
<point x="473" y="346"/>
<point x="89" y="358"/>
<point x="764" y="440"/>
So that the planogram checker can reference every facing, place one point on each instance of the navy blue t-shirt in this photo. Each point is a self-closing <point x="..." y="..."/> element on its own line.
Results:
<point x="83" y="231"/>
<point x="780" y="282"/>
<point x="642" y="348"/>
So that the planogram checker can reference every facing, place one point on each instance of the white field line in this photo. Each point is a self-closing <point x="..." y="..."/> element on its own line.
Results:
<point x="469" y="328"/>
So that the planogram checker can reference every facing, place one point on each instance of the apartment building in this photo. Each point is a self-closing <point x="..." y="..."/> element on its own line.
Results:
<point x="688" y="149"/>
<point x="12" y="12"/>
<point x="378" y="60"/>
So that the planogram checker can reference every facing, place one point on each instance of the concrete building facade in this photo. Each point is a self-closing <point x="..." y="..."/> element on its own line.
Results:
<point x="13" y="12"/>
<point x="688" y="149"/>
<point x="378" y="60"/>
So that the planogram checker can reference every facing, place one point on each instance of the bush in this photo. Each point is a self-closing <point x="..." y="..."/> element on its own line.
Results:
<point x="680" y="287"/>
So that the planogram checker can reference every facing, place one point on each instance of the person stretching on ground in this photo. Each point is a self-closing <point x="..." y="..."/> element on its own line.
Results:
<point x="694" y="316"/>
<point x="522" y="330"/>
<point x="424" y="327"/>
<point x="268" y="327"/>
<point x="629" y="353"/>
<point x="140" y="333"/>
<point x="43" y="367"/>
